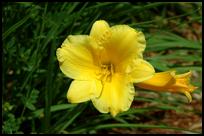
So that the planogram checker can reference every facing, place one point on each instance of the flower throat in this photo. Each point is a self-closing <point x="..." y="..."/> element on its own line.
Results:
<point x="106" y="72"/>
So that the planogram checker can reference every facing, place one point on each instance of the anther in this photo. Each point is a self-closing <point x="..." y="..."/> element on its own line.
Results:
<point x="106" y="72"/>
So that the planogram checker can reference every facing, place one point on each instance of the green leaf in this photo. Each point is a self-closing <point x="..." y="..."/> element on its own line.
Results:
<point x="30" y="106"/>
<point x="159" y="65"/>
<point x="11" y="125"/>
<point x="31" y="99"/>
<point x="117" y="125"/>
<point x="166" y="40"/>
<point x="15" y="26"/>
<point x="54" y="108"/>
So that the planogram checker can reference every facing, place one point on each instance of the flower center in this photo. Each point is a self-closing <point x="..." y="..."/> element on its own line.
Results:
<point x="106" y="72"/>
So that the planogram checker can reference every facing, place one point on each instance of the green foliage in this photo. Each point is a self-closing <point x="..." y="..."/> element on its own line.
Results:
<point x="34" y="88"/>
<point x="169" y="40"/>
<point x="11" y="125"/>
<point x="31" y="100"/>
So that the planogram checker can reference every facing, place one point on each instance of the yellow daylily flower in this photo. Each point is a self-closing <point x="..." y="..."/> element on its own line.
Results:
<point x="104" y="66"/>
<point x="169" y="81"/>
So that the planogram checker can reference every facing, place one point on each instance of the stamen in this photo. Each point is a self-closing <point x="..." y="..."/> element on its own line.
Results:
<point x="106" y="72"/>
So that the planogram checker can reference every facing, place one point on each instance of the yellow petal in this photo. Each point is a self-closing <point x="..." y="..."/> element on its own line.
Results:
<point x="160" y="81"/>
<point x="186" y="75"/>
<point x="139" y="70"/>
<point x="75" y="58"/>
<point x="116" y="96"/>
<point x="170" y="82"/>
<point x="81" y="91"/>
<point x="125" y="43"/>
<point x="188" y="95"/>
<point x="100" y="31"/>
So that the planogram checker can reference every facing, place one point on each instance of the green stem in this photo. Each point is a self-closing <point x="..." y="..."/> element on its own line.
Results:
<point x="48" y="90"/>
<point x="23" y="111"/>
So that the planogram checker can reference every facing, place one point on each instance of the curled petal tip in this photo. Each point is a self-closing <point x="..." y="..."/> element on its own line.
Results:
<point x="192" y="88"/>
<point x="188" y="95"/>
